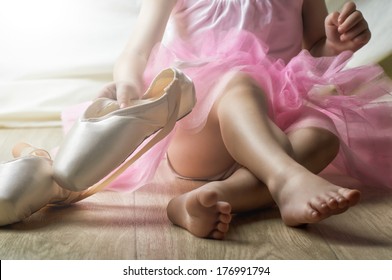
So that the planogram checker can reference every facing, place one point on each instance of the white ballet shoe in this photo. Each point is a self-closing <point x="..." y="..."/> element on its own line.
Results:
<point x="105" y="136"/>
<point x="27" y="185"/>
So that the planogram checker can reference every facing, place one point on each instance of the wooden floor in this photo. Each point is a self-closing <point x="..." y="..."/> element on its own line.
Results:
<point x="121" y="226"/>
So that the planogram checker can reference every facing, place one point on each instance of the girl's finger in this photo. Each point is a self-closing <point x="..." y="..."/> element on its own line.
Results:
<point x="347" y="10"/>
<point x="351" y="21"/>
<point x="332" y="19"/>
<point x="361" y="27"/>
<point x="362" y="38"/>
<point x="108" y="91"/>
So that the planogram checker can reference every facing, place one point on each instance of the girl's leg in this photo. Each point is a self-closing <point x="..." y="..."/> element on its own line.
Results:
<point x="240" y="122"/>
<point x="314" y="148"/>
<point x="255" y="142"/>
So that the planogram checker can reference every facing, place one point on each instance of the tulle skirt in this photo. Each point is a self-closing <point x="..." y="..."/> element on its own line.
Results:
<point x="355" y="104"/>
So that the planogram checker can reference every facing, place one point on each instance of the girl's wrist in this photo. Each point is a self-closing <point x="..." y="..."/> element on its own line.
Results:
<point x="324" y="48"/>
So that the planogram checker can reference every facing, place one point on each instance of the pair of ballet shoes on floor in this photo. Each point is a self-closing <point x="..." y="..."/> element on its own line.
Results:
<point x="98" y="148"/>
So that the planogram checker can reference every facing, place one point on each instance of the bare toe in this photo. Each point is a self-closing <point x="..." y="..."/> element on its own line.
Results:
<point x="218" y="235"/>
<point x="332" y="203"/>
<point x="225" y="218"/>
<point x="207" y="198"/>
<point x="222" y="227"/>
<point x="223" y="207"/>
<point x="352" y="196"/>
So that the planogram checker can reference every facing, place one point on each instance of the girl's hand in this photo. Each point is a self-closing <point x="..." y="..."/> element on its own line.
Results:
<point x="123" y="92"/>
<point x="347" y="30"/>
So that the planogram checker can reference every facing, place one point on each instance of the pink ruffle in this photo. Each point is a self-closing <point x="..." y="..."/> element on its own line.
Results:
<point x="307" y="91"/>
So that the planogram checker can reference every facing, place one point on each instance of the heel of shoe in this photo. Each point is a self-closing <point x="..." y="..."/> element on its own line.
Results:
<point x="26" y="184"/>
<point x="188" y="95"/>
<point x="25" y="187"/>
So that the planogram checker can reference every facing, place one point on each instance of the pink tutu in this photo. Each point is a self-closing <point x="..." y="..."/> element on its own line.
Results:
<point x="355" y="104"/>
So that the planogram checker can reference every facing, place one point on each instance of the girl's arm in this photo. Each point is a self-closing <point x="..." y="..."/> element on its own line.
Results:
<point x="328" y="35"/>
<point x="130" y="66"/>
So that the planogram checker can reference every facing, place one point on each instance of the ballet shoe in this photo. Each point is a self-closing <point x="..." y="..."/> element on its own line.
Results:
<point x="106" y="136"/>
<point x="27" y="185"/>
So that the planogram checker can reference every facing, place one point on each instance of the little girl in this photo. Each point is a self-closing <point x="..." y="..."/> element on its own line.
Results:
<point x="274" y="108"/>
<point x="270" y="115"/>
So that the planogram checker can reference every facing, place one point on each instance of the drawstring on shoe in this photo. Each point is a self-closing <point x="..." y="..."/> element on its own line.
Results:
<point x="23" y="149"/>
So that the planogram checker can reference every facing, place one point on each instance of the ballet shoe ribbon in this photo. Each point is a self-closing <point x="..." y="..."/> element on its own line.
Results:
<point x="23" y="149"/>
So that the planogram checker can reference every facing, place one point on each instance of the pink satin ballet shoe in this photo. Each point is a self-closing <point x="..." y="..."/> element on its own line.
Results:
<point x="106" y="136"/>
<point x="27" y="185"/>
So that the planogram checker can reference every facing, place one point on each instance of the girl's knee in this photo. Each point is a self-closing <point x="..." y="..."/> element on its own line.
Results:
<point x="242" y="87"/>
<point x="330" y="142"/>
<point x="326" y="140"/>
<point x="244" y="83"/>
<point x="316" y="141"/>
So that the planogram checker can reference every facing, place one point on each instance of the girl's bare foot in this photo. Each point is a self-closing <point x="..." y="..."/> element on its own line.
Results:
<point x="307" y="198"/>
<point x="200" y="212"/>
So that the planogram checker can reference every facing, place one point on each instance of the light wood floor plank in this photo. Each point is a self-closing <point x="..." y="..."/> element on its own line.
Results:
<point x="133" y="225"/>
